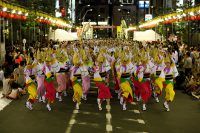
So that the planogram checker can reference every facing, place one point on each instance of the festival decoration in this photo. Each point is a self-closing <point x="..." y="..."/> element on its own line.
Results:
<point x="10" y="11"/>
<point x="190" y="14"/>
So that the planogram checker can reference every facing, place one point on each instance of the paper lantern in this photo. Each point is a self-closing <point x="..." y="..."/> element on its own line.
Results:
<point x="1" y="14"/>
<point x="23" y="17"/>
<point x="193" y="18"/>
<point x="4" y="14"/>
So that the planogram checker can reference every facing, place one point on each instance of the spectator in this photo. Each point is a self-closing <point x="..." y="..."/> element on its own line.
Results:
<point x="196" y="90"/>
<point x="197" y="64"/>
<point x="6" y="84"/>
<point x="19" y="74"/>
<point x="188" y="65"/>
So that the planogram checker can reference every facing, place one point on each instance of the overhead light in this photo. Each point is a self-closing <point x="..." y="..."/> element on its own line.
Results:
<point x="5" y="9"/>
<point x="99" y="15"/>
<point x="184" y="14"/>
<point x="13" y="11"/>
<point x="88" y="5"/>
<point x="121" y="5"/>
<point x="119" y="9"/>
<point x="192" y="13"/>
<point x="26" y="14"/>
<point x="19" y="12"/>
<point x="128" y="12"/>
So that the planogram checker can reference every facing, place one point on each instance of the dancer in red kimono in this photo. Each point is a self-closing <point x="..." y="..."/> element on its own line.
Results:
<point x="100" y="80"/>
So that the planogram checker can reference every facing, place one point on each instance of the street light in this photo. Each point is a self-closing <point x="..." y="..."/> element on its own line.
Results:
<point x="89" y="10"/>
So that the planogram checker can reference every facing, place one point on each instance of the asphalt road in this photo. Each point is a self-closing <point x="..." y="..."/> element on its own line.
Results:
<point x="183" y="118"/>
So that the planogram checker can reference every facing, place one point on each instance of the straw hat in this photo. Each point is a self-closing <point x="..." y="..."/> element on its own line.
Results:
<point x="29" y="61"/>
<point x="48" y="55"/>
<point x="75" y="59"/>
<point x="38" y="56"/>
<point x="100" y="58"/>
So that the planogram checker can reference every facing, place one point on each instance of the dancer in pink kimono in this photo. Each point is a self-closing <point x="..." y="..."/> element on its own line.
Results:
<point x="40" y="78"/>
<point x="61" y="74"/>
<point x="84" y="67"/>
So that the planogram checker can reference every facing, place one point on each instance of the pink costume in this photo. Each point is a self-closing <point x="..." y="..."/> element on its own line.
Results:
<point x="85" y="79"/>
<point x="61" y="78"/>
<point x="40" y="80"/>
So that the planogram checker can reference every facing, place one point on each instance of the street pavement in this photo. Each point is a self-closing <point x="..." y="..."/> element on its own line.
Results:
<point x="183" y="118"/>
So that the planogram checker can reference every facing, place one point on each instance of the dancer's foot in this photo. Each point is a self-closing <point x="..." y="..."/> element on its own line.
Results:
<point x="77" y="106"/>
<point x="65" y="93"/>
<point x="57" y="95"/>
<point x="99" y="106"/>
<point x="157" y="100"/>
<point x="43" y="99"/>
<point x="60" y="98"/>
<point x="144" y="107"/>
<point x="166" y="106"/>
<point x="40" y="99"/>
<point x="84" y="97"/>
<point x="124" y="107"/>
<point x="29" y="105"/>
<point x="48" y="107"/>
<point x="121" y="100"/>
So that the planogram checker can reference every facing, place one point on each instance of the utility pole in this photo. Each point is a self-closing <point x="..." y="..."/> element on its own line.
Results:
<point x="137" y="11"/>
<point x="110" y="17"/>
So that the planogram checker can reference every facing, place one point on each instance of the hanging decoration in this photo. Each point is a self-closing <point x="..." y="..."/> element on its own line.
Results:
<point x="190" y="14"/>
<point x="10" y="11"/>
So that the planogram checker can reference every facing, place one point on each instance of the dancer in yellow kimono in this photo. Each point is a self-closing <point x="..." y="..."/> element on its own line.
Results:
<point x="75" y="78"/>
<point x="166" y="80"/>
<point x="124" y="73"/>
<point x="30" y="84"/>
<point x="159" y="65"/>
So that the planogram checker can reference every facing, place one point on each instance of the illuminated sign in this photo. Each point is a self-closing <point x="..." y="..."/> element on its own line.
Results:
<point x="143" y="4"/>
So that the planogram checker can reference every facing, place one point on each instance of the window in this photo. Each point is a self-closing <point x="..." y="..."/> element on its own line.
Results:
<point x="127" y="1"/>
<point x="102" y="10"/>
<point x="102" y="19"/>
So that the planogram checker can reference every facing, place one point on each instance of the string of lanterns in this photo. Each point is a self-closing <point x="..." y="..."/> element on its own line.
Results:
<point x="10" y="11"/>
<point x="190" y="14"/>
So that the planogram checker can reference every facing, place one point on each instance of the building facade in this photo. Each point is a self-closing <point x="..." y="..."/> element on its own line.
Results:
<point x="110" y="12"/>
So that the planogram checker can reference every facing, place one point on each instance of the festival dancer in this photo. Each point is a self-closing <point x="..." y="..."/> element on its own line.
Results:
<point x="158" y="67"/>
<point x="75" y="78"/>
<point x="166" y="80"/>
<point x="49" y="81"/>
<point x="100" y="80"/>
<point x="124" y="74"/>
<point x="84" y="67"/>
<point x="61" y="74"/>
<point x="40" y="77"/>
<point x="116" y="65"/>
<point x="143" y="74"/>
<point x="30" y="84"/>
